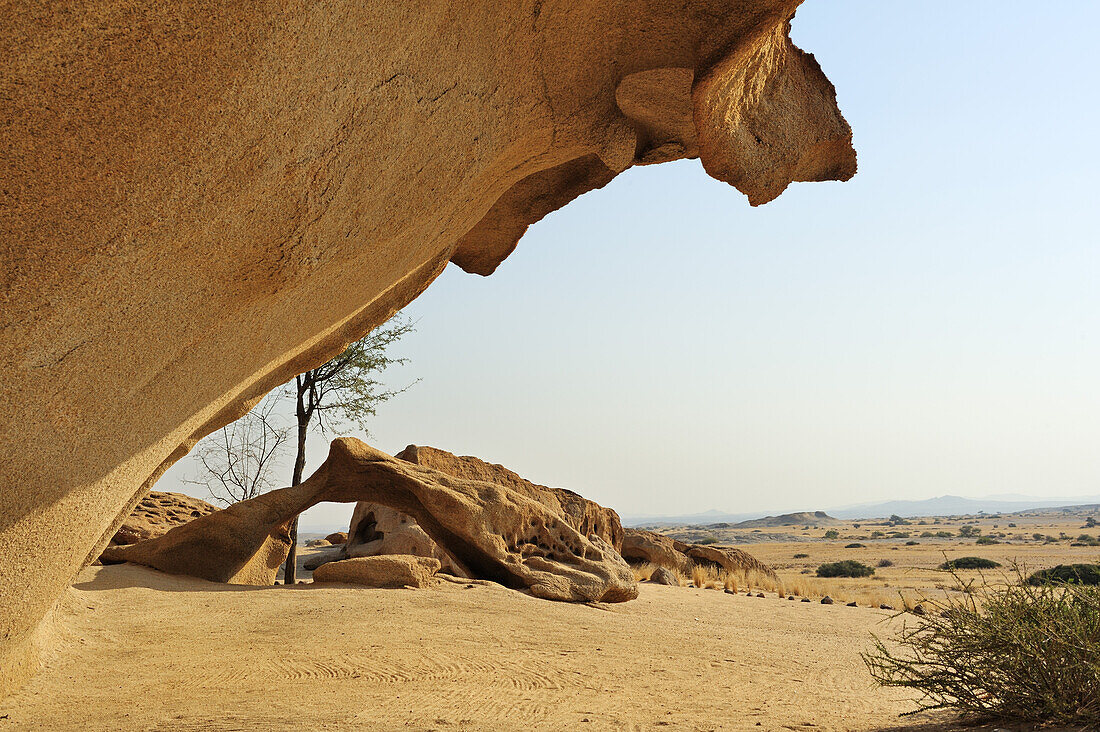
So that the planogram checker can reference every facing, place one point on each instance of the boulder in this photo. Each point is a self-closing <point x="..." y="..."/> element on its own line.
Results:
<point x="318" y="543"/>
<point x="496" y="532"/>
<point x="663" y="576"/>
<point x="648" y="546"/>
<point x="641" y="546"/>
<point x="393" y="570"/>
<point x="337" y="537"/>
<point x="333" y="554"/>
<point x="727" y="558"/>
<point x="827" y="600"/>
<point x="158" y="512"/>
<point x="377" y="530"/>
<point x="587" y="517"/>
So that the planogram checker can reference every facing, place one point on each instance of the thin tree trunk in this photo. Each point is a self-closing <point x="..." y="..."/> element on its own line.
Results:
<point x="291" y="566"/>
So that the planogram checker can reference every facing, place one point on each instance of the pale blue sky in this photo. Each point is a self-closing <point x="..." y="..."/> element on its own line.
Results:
<point x="930" y="327"/>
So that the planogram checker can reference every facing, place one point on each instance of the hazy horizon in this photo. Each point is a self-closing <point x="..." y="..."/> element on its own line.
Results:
<point x="928" y="328"/>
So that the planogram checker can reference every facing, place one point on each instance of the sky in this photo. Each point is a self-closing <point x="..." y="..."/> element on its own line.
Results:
<point x="930" y="327"/>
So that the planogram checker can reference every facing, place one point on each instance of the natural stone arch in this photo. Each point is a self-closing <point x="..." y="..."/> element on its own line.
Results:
<point x="201" y="200"/>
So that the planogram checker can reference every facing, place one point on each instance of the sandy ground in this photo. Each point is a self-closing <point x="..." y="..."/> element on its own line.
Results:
<point x="150" y="651"/>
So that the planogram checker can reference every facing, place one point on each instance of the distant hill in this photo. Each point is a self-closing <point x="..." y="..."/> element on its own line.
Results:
<point x="801" y="518"/>
<point x="953" y="506"/>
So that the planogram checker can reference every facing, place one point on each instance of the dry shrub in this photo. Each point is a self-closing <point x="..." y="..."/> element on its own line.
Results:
<point x="1014" y="652"/>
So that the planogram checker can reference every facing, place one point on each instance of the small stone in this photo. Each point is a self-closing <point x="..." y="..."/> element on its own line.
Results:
<point x="919" y="610"/>
<point x="884" y="606"/>
<point x="805" y="599"/>
<point x="826" y="600"/>
<point x="759" y="594"/>
<point x="852" y="604"/>
<point x="662" y="576"/>
<point x="730" y="592"/>
<point x="792" y="597"/>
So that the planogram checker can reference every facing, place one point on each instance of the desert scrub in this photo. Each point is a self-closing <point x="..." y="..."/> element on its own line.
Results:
<point x="846" y="568"/>
<point x="1081" y="574"/>
<point x="1020" y="652"/>
<point x="970" y="563"/>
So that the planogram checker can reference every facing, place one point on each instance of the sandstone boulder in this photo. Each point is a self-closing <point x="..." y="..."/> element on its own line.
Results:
<point x="648" y="546"/>
<point x="587" y="517"/>
<point x="393" y="570"/>
<point x="158" y="512"/>
<point x="337" y="537"/>
<point x="332" y="554"/>
<point x="378" y="530"/>
<point x="728" y="558"/>
<point x="495" y="531"/>
<point x="663" y="576"/>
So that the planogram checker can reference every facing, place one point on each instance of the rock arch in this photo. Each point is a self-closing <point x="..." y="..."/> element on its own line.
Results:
<point x="201" y="200"/>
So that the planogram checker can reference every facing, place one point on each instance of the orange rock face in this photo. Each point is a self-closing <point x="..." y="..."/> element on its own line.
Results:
<point x="202" y="199"/>
<point x="158" y="512"/>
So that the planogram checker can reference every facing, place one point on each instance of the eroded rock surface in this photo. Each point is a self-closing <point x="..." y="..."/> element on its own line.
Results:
<point x="158" y="512"/>
<point x="649" y="546"/>
<point x="587" y="517"/>
<point x="495" y="531"/>
<point x="203" y="199"/>
<point x="380" y="530"/>
<point x="393" y="570"/>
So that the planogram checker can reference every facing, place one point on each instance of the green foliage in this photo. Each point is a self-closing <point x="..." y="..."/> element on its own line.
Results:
<point x="1021" y="653"/>
<point x="854" y="545"/>
<point x="845" y="568"/>
<point x="706" y="540"/>
<point x="832" y="534"/>
<point x="986" y="540"/>
<point x="969" y="530"/>
<point x="912" y="543"/>
<point x="801" y="556"/>
<point x="970" y="563"/>
<point x="885" y="563"/>
<point x="877" y="534"/>
<point x="1080" y="574"/>
<point x="944" y="535"/>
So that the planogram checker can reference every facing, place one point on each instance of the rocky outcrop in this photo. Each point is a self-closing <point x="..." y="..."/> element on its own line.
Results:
<point x="203" y="199"/>
<point x="663" y="576"/>
<point x="394" y="570"/>
<point x="727" y="558"/>
<point x="494" y="531"/>
<point x="648" y="546"/>
<point x="158" y="512"/>
<point x="379" y="530"/>
<point x="587" y="517"/>
<point x="337" y="537"/>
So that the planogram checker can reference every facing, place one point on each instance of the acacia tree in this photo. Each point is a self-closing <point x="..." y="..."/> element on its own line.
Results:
<point x="237" y="462"/>
<point x="344" y="391"/>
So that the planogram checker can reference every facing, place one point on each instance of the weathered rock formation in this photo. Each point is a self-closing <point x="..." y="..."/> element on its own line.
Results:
<point x="380" y="530"/>
<point x="158" y="512"/>
<point x="393" y="570"/>
<point x="495" y="531"/>
<point x="587" y="517"/>
<point x="337" y="537"/>
<point x="201" y="200"/>
<point x="648" y="546"/>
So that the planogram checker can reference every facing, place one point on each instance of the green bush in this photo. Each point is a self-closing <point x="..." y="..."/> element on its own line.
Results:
<point x="832" y="534"/>
<point x="885" y="563"/>
<point x="1081" y="574"/>
<point x="912" y="543"/>
<point x="801" y="556"/>
<point x="970" y="563"/>
<point x="1021" y="653"/>
<point x="855" y="545"/>
<point x="986" y="540"/>
<point x="845" y="568"/>
<point x="707" y="540"/>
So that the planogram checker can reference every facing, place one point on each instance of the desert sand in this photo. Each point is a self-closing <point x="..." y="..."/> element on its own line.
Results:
<point x="142" y="650"/>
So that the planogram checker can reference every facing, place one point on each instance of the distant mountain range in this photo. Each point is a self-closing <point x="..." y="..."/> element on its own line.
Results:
<point x="941" y="506"/>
